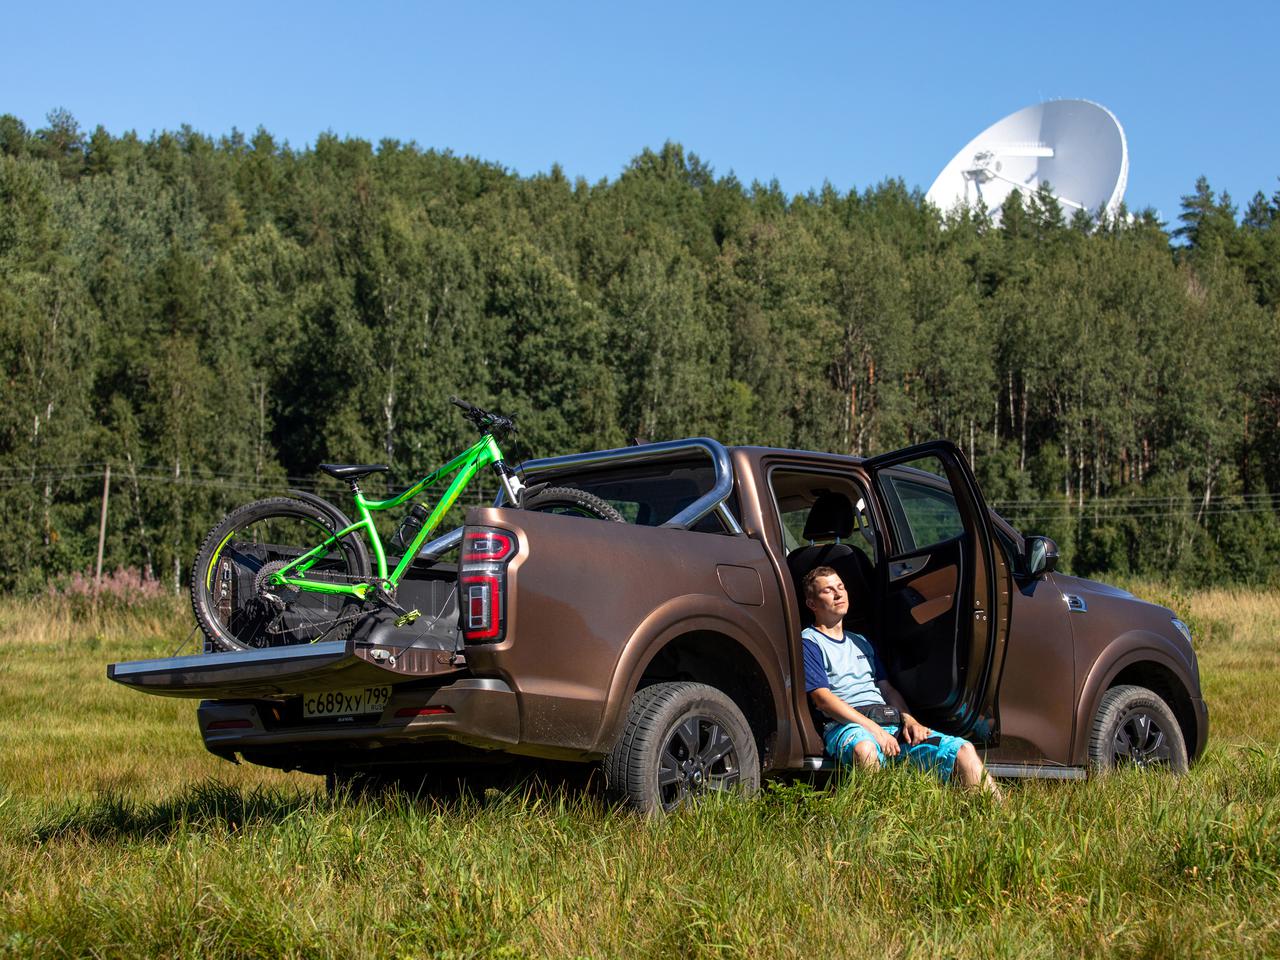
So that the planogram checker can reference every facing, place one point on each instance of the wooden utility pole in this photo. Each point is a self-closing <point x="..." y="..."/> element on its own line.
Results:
<point x="102" y="525"/>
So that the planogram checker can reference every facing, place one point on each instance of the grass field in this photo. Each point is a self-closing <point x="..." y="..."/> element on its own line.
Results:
<point x="120" y="836"/>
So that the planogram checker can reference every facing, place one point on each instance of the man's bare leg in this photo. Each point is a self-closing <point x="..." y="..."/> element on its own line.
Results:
<point x="972" y="773"/>
<point x="865" y="754"/>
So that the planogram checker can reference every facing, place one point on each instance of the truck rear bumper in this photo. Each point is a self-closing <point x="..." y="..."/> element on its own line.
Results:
<point x="477" y="712"/>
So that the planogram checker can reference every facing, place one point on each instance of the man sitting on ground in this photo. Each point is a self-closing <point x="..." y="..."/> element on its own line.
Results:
<point x="846" y="683"/>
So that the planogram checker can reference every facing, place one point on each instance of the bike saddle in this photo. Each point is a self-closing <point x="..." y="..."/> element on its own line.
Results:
<point x="352" y="471"/>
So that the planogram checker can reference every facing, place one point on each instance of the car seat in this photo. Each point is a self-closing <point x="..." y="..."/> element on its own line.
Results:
<point x="832" y="518"/>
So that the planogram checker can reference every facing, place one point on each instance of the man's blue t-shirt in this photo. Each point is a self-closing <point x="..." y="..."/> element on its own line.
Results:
<point x="848" y="667"/>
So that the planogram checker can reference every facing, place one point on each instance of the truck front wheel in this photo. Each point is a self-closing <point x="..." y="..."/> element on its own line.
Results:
<point x="1135" y="727"/>
<point x="681" y="740"/>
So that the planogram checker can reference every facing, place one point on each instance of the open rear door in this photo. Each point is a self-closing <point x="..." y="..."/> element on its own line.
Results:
<point x="944" y="589"/>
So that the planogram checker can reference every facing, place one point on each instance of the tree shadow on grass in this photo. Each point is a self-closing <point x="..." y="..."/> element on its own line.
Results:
<point x="206" y="805"/>
<point x="218" y="807"/>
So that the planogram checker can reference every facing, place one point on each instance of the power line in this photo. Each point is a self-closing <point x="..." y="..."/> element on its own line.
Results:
<point x="1189" y="513"/>
<point x="162" y="476"/>
<point x="1093" y="510"/>
<point x="1130" y="501"/>
<point x="41" y="470"/>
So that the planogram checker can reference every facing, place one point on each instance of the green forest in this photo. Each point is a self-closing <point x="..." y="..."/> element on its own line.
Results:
<point x="214" y="316"/>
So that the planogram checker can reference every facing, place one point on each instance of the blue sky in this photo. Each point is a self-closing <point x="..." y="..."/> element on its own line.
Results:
<point x="848" y="93"/>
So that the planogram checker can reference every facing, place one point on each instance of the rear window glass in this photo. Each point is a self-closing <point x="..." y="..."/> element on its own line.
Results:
<point x="796" y="493"/>
<point x="650" y="494"/>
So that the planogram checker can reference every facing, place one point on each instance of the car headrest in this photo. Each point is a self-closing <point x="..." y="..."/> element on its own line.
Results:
<point x="831" y="518"/>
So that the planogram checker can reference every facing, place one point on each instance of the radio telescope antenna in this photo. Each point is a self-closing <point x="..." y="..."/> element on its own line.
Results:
<point x="1077" y="147"/>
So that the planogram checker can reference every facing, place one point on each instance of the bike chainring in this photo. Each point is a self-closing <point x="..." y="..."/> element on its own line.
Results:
<point x="276" y="601"/>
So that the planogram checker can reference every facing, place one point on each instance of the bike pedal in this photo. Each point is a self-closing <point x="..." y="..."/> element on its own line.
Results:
<point x="408" y="617"/>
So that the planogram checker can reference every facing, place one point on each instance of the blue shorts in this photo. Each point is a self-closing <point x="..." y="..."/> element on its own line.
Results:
<point x="936" y="754"/>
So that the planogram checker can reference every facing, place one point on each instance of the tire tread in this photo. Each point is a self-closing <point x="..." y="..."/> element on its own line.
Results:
<point x="255" y="510"/>
<point x="625" y="771"/>
<point x="1117" y="699"/>
<point x="572" y="496"/>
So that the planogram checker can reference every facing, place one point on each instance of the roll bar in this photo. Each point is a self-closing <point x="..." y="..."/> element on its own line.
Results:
<point x="714" y="500"/>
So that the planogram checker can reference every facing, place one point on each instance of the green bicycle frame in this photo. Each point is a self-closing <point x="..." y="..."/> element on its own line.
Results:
<point x="464" y="467"/>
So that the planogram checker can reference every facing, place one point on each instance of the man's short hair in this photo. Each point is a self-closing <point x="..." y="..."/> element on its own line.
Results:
<point x="810" y="580"/>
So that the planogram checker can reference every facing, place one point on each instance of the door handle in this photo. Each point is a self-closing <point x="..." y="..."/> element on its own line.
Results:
<point x="904" y="568"/>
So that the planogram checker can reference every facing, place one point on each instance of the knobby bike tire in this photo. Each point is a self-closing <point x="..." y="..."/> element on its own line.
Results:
<point x="237" y="610"/>
<point x="572" y="502"/>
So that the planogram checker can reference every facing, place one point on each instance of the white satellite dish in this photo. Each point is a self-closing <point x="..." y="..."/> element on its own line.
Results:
<point x="1075" y="146"/>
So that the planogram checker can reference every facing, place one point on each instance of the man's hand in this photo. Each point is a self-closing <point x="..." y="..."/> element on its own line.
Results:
<point x="888" y="742"/>
<point x="913" y="731"/>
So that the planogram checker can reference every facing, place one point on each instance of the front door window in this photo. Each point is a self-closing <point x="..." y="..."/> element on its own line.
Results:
<point x="922" y="509"/>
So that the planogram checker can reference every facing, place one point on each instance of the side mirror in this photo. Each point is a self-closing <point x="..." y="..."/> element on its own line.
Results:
<point x="1041" y="555"/>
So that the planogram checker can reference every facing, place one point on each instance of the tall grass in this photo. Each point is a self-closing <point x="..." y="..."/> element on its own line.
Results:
<point x="67" y="732"/>
<point x="128" y="840"/>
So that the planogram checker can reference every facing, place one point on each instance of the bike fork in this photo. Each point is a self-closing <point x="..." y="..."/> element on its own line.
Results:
<point x="511" y="483"/>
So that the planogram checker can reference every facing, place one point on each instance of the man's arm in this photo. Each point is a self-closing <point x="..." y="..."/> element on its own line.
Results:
<point x="837" y="709"/>
<point x="891" y="695"/>
<point x="912" y="729"/>
<point x="816" y="684"/>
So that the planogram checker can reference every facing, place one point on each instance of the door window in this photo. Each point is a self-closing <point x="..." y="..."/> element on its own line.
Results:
<point x="798" y="493"/>
<point x="921" y="504"/>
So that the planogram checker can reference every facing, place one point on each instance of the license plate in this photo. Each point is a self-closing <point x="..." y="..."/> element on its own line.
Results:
<point x="345" y="703"/>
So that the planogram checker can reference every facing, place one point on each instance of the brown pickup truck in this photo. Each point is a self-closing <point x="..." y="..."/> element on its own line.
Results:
<point x="667" y="648"/>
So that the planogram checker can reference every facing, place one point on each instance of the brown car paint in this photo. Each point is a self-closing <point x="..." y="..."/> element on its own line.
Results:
<point x="588" y="619"/>
<point x="592" y="606"/>
<point x="1038" y="688"/>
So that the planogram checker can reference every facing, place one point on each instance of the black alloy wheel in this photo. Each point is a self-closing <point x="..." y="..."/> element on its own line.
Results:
<point x="1135" y="727"/>
<point x="699" y="757"/>
<point x="681" y="741"/>
<point x="1140" y="740"/>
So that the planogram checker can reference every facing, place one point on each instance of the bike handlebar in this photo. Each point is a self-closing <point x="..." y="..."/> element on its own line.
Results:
<point x="483" y="420"/>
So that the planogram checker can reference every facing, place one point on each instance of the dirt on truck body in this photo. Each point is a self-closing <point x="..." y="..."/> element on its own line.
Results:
<point x="667" y="647"/>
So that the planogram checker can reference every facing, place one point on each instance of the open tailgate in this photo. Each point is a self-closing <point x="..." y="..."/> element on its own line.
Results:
<point x="251" y="673"/>
<point x="375" y="653"/>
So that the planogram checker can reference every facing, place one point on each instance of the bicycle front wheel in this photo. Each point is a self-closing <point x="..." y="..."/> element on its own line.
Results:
<point x="236" y="604"/>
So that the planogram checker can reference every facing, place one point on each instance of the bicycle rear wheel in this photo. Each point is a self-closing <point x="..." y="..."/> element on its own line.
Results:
<point x="572" y="502"/>
<point x="235" y="603"/>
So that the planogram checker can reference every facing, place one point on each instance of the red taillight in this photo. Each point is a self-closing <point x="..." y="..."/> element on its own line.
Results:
<point x="423" y="711"/>
<point x="487" y="544"/>
<point x="483" y="595"/>
<point x="241" y="724"/>
<point x="482" y="582"/>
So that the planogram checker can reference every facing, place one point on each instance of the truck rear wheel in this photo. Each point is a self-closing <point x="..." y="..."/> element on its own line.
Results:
<point x="1135" y="727"/>
<point x="681" y="740"/>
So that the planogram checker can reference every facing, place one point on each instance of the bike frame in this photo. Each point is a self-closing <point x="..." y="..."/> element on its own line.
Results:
<point x="464" y="467"/>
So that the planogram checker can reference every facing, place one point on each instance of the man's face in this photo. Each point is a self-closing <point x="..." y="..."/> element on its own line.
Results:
<point x="829" y="602"/>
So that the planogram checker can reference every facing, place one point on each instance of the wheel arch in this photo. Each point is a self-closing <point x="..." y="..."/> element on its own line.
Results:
<point x="713" y="647"/>
<point x="1138" y="658"/>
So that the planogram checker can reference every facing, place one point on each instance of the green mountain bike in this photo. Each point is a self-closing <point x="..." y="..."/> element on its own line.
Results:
<point x="290" y="570"/>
